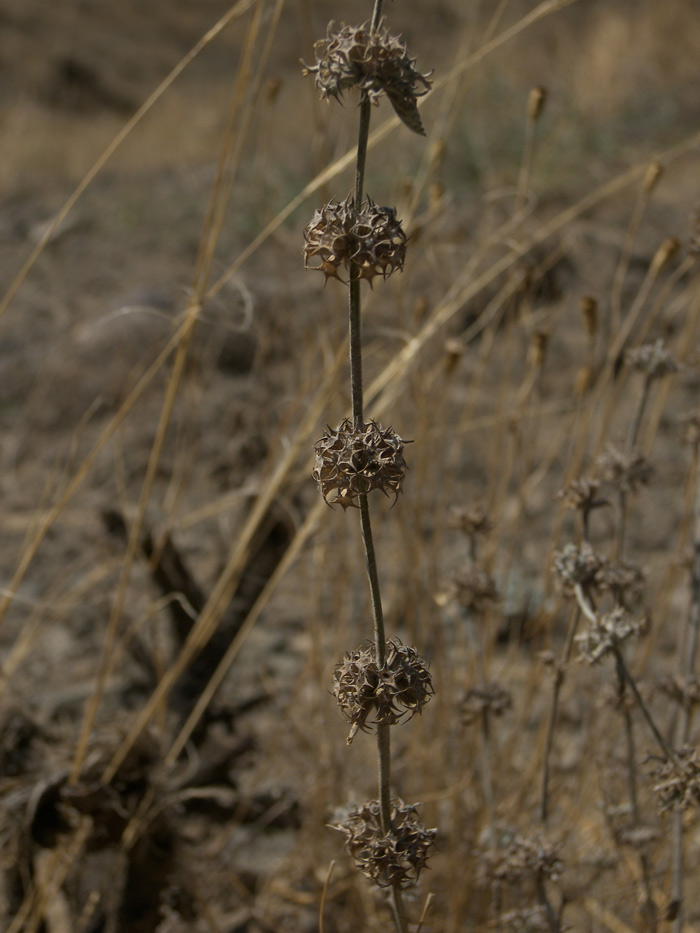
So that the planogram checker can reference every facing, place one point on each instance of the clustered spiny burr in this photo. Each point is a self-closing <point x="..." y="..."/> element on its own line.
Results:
<point x="370" y="239"/>
<point x="395" y="858"/>
<point x="375" y="62"/>
<point x="388" y="693"/>
<point x="350" y="462"/>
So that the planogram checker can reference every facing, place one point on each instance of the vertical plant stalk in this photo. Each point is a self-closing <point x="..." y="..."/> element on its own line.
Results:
<point x="559" y="678"/>
<point x="355" y="341"/>
<point x="360" y="457"/>
<point x="688" y="666"/>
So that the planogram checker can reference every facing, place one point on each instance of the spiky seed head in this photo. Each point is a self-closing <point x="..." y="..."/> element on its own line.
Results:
<point x="392" y="859"/>
<point x="326" y="242"/>
<point x="375" y="62"/>
<point x="351" y="461"/>
<point x="371" y="239"/>
<point x="370" y="694"/>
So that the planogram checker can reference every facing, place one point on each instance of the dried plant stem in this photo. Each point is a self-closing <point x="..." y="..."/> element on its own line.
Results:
<point x="648" y="907"/>
<point x="687" y="666"/>
<point x="622" y="668"/>
<point x="624" y="261"/>
<point x="355" y="342"/>
<point x="559" y="678"/>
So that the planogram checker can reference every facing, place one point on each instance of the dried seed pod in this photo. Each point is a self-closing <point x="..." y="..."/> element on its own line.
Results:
<point x="535" y="103"/>
<point x="589" y="310"/>
<point x="651" y="176"/>
<point x="626" y="471"/>
<point x="392" y="859"/>
<point x="472" y="520"/>
<point x="371" y="239"/>
<point x="654" y="360"/>
<point x="474" y="588"/>
<point x="489" y="698"/>
<point x="375" y="62"/>
<point x="664" y="254"/>
<point x="682" y="691"/>
<point x="619" y="578"/>
<point x="388" y="693"/>
<point x="352" y="461"/>
<point x="517" y="858"/>
<point x="582" y="494"/>
<point x="577" y="565"/>
<point x="607" y="633"/>
<point x="378" y="241"/>
<point x="327" y="243"/>
<point x="678" y="782"/>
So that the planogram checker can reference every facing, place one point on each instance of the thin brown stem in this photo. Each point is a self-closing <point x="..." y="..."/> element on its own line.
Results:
<point x="559" y="678"/>
<point x="687" y="666"/>
<point x="355" y="341"/>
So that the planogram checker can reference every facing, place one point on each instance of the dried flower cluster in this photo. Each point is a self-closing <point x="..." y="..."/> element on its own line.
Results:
<point x="685" y="693"/>
<point x="520" y="858"/>
<point x="370" y="239"/>
<point x="488" y="698"/>
<point x="582" y="494"/>
<point x="350" y="462"/>
<point x="472" y="520"/>
<point x="678" y="782"/>
<point x="626" y="471"/>
<point x="582" y="566"/>
<point x="392" y="859"/>
<point x="375" y="62"/>
<point x="619" y="577"/>
<point x="474" y="588"/>
<point x="400" y="687"/>
<point x="577" y="566"/>
<point x="653" y="359"/>
<point x="608" y="633"/>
